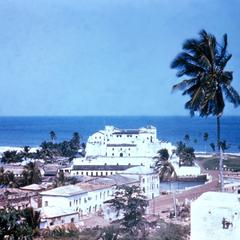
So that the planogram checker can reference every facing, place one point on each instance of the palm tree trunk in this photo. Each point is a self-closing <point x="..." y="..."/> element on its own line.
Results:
<point x="220" y="154"/>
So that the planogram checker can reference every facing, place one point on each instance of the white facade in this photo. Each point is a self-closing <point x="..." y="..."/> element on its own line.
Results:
<point x="55" y="216"/>
<point x="148" y="180"/>
<point x="114" y="142"/>
<point x="83" y="198"/>
<point x="185" y="171"/>
<point x="216" y="216"/>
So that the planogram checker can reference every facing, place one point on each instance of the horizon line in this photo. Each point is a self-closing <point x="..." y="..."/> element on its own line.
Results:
<point x="117" y="116"/>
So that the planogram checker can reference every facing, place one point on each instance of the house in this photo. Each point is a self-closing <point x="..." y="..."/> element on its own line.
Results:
<point x="16" y="198"/>
<point x="82" y="198"/>
<point x="215" y="216"/>
<point x="148" y="180"/>
<point x="56" y="216"/>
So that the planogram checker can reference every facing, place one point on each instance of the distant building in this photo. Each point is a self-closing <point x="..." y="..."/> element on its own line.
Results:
<point x="215" y="216"/>
<point x="114" y="142"/>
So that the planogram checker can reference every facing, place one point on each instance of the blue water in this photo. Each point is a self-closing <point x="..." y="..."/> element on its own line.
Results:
<point x="20" y="131"/>
<point x="168" y="187"/>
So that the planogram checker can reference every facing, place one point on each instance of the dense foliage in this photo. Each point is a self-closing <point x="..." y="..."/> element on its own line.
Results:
<point x="130" y="206"/>
<point x="163" y="166"/>
<point x="19" y="224"/>
<point x="185" y="153"/>
<point x="31" y="174"/>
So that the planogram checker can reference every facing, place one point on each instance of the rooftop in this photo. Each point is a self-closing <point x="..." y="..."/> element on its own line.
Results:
<point x="101" y="167"/>
<point x="93" y="186"/>
<point x="33" y="187"/>
<point x="65" y="191"/>
<point x="52" y="212"/>
<point x="218" y="199"/>
<point x="138" y="170"/>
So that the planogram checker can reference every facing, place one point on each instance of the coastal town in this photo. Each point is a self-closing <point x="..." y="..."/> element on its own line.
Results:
<point x="78" y="192"/>
<point x="119" y="120"/>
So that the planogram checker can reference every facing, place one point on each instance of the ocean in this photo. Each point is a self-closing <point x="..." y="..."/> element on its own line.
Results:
<point x="21" y="131"/>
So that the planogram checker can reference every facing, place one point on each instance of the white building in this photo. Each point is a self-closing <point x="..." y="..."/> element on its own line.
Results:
<point x="114" y="142"/>
<point x="185" y="171"/>
<point x="148" y="180"/>
<point x="216" y="216"/>
<point x="83" y="199"/>
<point x="55" y="216"/>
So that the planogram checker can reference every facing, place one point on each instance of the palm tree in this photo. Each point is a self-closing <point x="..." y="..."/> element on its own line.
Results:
<point x="205" y="139"/>
<point x="186" y="138"/>
<point x="53" y="136"/>
<point x="31" y="174"/>
<point x="203" y="62"/>
<point x="162" y="165"/>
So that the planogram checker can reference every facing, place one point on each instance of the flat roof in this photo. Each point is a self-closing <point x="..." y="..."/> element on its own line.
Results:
<point x="93" y="186"/>
<point x="218" y="199"/>
<point x="65" y="191"/>
<point x="53" y="212"/>
<point x="102" y="167"/>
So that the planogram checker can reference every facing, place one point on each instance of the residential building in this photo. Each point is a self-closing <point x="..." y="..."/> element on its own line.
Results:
<point x="215" y="216"/>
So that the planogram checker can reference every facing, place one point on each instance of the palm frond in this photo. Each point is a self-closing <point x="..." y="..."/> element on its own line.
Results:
<point x="231" y="95"/>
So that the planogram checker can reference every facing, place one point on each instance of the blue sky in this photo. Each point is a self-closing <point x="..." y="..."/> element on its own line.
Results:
<point x="103" y="57"/>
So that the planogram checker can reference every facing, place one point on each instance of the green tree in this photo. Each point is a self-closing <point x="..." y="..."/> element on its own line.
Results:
<point x="13" y="225"/>
<point x="131" y="204"/>
<point x="205" y="139"/>
<point x="11" y="157"/>
<point x="25" y="152"/>
<point x="162" y="165"/>
<point x="212" y="145"/>
<point x="203" y="62"/>
<point x="32" y="218"/>
<point x="186" y="154"/>
<point x="171" y="231"/>
<point x="75" y="141"/>
<point x="31" y="174"/>
<point x="53" y="136"/>
<point x="186" y="138"/>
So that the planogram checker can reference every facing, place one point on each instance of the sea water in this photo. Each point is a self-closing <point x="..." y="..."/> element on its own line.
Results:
<point x="21" y="131"/>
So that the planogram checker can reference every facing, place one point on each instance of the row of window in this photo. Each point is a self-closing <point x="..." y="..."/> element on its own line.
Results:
<point x="92" y="174"/>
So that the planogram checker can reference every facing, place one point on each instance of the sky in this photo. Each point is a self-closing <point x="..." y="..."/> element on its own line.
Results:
<point x="104" y="57"/>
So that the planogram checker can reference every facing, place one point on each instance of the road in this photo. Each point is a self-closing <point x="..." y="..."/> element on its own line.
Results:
<point x="165" y="202"/>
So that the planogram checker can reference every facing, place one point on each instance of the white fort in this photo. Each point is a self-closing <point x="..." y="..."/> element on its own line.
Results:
<point x="128" y="143"/>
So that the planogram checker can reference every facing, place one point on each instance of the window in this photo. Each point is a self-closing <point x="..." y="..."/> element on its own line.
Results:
<point x="87" y="173"/>
<point x="111" y="173"/>
<point x="91" y="173"/>
<point x="82" y="173"/>
<point x="72" y="220"/>
<point x="101" y="173"/>
<point x="46" y="203"/>
<point x="96" y="173"/>
<point x="70" y="203"/>
<point x="77" y="173"/>
<point x="121" y="155"/>
<point x="100" y="195"/>
<point x="106" y="173"/>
